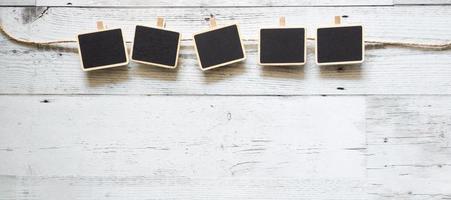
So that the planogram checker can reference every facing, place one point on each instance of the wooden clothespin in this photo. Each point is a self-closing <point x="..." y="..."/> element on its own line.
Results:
<point x="212" y="22"/>
<point x="100" y="26"/>
<point x="160" y="22"/>
<point x="282" y="21"/>
<point x="337" y="20"/>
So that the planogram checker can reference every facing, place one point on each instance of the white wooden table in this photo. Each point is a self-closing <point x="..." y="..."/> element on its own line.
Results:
<point x="381" y="130"/>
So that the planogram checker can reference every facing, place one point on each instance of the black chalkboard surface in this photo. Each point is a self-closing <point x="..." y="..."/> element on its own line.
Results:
<point x="102" y="49"/>
<point x="282" y="46"/>
<point x="339" y="45"/>
<point x="219" y="47"/>
<point x="155" y="46"/>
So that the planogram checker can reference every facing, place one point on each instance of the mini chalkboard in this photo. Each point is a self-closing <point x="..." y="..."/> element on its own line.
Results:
<point x="340" y="45"/>
<point x="219" y="47"/>
<point x="102" y="49"/>
<point x="282" y="46"/>
<point x="156" y="46"/>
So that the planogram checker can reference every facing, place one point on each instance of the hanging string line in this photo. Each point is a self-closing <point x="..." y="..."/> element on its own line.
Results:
<point x="426" y="46"/>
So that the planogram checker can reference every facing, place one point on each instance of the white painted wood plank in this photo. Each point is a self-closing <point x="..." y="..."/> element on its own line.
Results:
<point x="386" y="71"/>
<point x="422" y="2"/>
<point x="208" y="3"/>
<point x="42" y="23"/>
<point x="30" y="70"/>
<point x="210" y="136"/>
<point x="90" y="147"/>
<point x="419" y="130"/>
<point x="55" y="188"/>
<point x="96" y="147"/>
<point x="17" y="2"/>
<point x="409" y="149"/>
<point x="163" y="187"/>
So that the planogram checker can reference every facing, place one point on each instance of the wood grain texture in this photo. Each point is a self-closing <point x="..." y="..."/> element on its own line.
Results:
<point x="242" y="132"/>
<point x="17" y="2"/>
<point x="144" y="130"/>
<point x="234" y="3"/>
<point x="422" y="2"/>
<point x="54" y="188"/>
<point x="182" y="148"/>
<point x="30" y="70"/>
<point x="225" y="147"/>
<point x="431" y="26"/>
<point x="209" y="3"/>
<point x="408" y="142"/>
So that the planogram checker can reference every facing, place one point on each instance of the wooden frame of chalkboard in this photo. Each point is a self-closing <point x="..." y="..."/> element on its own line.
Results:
<point x="282" y="64"/>
<point x="343" y="62"/>
<point x="221" y="64"/>
<point x="157" y="64"/>
<point x="104" y="66"/>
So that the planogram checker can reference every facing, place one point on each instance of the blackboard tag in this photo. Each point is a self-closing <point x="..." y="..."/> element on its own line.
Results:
<point x="340" y="44"/>
<point x="156" y="46"/>
<point x="282" y="46"/>
<point x="218" y="47"/>
<point x="102" y="49"/>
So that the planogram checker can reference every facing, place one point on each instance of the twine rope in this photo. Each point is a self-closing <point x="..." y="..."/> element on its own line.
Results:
<point x="380" y="43"/>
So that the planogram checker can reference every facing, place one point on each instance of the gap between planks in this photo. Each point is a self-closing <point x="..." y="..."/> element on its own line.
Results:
<point x="214" y="4"/>
<point x="232" y="95"/>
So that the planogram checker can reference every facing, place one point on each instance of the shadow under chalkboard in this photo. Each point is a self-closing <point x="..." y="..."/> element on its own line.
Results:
<point x="291" y="72"/>
<point x="345" y="72"/>
<point x="154" y="72"/>
<point x="108" y="76"/>
<point x="224" y="72"/>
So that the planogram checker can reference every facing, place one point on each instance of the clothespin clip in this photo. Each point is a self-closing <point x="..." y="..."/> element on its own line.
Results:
<point x="337" y="20"/>
<point x="212" y="22"/>
<point x="282" y="21"/>
<point x="160" y="22"/>
<point x="100" y="26"/>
